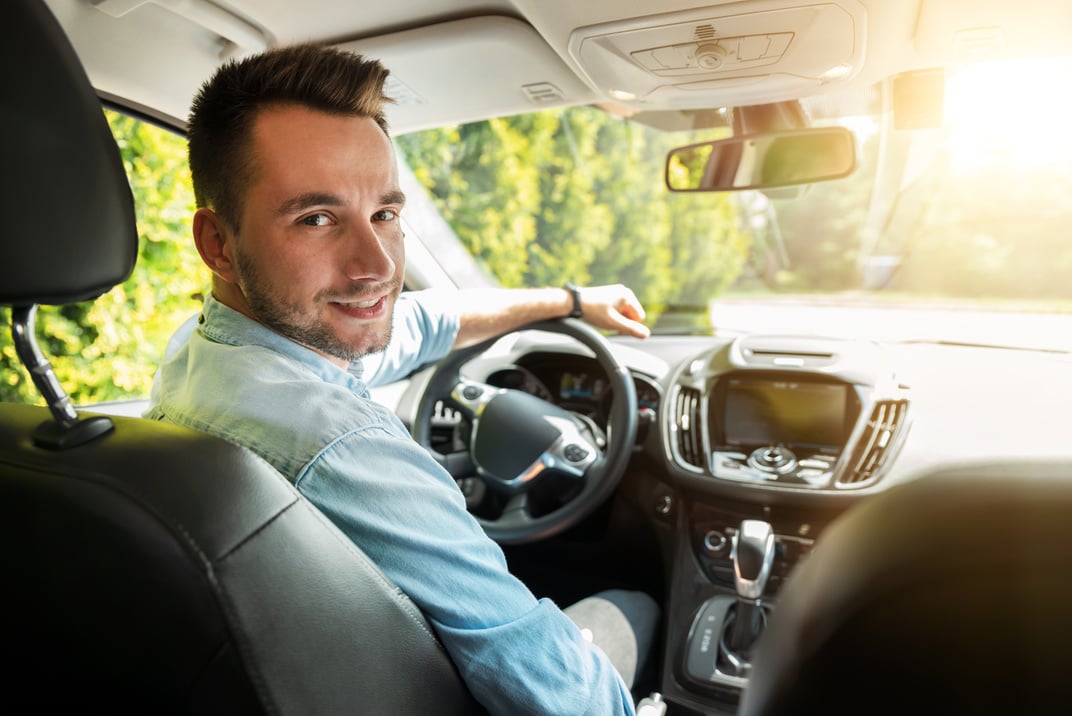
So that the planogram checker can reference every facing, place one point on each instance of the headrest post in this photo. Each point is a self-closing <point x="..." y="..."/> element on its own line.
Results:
<point x="23" y="319"/>
<point x="66" y="430"/>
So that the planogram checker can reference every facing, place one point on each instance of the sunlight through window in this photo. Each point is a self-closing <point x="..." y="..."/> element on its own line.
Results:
<point x="1010" y="112"/>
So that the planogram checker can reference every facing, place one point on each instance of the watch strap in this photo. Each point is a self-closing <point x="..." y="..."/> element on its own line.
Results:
<point x="575" y="293"/>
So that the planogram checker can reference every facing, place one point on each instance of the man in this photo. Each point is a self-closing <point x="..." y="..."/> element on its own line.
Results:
<point x="297" y="184"/>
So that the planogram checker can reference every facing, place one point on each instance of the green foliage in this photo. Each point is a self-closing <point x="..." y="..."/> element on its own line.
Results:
<point x="109" y="348"/>
<point x="577" y="195"/>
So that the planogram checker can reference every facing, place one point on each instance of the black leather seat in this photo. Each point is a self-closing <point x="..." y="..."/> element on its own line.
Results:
<point x="951" y="594"/>
<point x="146" y="567"/>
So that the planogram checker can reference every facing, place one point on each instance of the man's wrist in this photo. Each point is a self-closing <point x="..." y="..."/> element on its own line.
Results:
<point x="576" y="311"/>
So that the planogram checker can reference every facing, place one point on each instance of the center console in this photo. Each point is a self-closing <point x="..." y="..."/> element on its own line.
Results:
<point x="706" y="664"/>
<point x="767" y="439"/>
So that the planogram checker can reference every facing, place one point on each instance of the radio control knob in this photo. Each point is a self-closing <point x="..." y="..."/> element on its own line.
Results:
<point x="773" y="458"/>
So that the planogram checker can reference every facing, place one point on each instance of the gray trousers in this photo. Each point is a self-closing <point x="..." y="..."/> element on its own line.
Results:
<point x="622" y="624"/>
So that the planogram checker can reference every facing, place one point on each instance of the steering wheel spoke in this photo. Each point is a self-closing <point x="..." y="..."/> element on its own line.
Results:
<point x="572" y="454"/>
<point x="471" y="397"/>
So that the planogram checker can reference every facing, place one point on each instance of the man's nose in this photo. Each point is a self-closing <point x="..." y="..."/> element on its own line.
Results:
<point x="368" y="257"/>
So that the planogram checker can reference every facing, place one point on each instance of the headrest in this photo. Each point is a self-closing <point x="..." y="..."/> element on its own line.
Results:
<point x="945" y="594"/>
<point x="69" y="232"/>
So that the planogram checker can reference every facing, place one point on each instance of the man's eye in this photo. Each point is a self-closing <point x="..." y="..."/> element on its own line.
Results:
<point x="316" y="220"/>
<point x="385" y="215"/>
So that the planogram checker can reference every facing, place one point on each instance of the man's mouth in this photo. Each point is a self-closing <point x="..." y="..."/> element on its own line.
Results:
<point x="366" y="309"/>
<point x="362" y="304"/>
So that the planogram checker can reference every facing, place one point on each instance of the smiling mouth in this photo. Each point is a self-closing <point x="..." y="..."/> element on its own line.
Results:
<point x="357" y="301"/>
<point x="367" y="309"/>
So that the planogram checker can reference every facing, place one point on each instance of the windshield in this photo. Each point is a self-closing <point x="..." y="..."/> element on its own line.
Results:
<point x="950" y="232"/>
<point x="951" y="228"/>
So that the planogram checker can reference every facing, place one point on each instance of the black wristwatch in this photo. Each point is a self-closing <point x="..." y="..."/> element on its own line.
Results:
<point x="576" y="294"/>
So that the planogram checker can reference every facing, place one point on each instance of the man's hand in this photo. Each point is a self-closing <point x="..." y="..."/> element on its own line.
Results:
<point x="613" y="308"/>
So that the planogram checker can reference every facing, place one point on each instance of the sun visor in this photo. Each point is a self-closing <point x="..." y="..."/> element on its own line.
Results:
<point x="512" y="70"/>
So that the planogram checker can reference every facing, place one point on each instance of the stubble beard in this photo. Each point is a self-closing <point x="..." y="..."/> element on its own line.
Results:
<point x="289" y="320"/>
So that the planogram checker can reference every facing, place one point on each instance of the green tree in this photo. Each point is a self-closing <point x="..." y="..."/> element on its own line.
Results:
<point x="109" y="348"/>
<point x="576" y="194"/>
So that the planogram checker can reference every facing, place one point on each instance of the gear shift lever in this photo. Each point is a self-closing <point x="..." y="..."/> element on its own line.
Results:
<point x="753" y="556"/>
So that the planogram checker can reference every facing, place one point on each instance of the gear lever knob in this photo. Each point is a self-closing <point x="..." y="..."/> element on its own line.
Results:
<point x="753" y="557"/>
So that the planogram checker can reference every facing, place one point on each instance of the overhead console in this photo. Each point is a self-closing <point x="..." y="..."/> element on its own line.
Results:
<point x="787" y="413"/>
<point x="742" y="53"/>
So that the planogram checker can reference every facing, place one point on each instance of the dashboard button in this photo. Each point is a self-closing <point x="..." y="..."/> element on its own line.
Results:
<point x="715" y="543"/>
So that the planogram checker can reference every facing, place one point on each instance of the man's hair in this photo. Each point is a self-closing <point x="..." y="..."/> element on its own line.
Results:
<point x="219" y="131"/>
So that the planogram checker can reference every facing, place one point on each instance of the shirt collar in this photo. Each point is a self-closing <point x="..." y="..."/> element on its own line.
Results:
<point x="222" y="324"/>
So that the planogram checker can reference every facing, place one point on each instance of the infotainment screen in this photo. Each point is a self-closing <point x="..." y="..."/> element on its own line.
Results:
<point x="771" y="411"/>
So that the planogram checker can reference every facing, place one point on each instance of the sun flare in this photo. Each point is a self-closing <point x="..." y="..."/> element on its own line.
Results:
<point x="1010" y="112"/>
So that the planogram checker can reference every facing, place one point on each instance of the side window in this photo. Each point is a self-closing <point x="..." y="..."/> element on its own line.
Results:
<point x="108" y="349"/>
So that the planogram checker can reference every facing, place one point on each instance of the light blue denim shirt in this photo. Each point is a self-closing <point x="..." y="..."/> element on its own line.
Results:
<point x="228" y="375"/>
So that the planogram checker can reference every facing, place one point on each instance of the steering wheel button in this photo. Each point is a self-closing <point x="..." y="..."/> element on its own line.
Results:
<point x="575" y="453"/>
<point x="472" y="392"/>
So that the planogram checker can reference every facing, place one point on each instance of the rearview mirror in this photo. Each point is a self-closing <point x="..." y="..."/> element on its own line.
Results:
<point x="762" y="161"/>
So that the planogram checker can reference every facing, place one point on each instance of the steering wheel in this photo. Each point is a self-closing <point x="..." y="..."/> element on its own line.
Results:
<point x="519" y="444"/>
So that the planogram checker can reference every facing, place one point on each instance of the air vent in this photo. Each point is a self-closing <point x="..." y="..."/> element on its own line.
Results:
<point x="705" y="32"/>
<point x="800" y="354"/>
<point x="688" y="425"/>
<point x="876" y="443"/>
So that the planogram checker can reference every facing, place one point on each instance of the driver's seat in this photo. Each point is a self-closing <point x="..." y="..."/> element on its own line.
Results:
<point x="146" y="567"/>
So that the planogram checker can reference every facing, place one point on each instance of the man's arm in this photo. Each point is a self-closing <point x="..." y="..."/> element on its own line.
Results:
<point x="489" y="312"/>
<point x="425" y="321"/>
<point x="517" y="654"/>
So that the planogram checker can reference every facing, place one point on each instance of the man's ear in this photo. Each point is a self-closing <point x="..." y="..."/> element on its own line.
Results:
<point x="215" y="243"/>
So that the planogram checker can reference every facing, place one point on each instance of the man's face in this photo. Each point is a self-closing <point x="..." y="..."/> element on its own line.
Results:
<point x="319" y="257"/>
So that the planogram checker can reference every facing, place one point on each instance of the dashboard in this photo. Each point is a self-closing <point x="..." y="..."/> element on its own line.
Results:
<point x="773" y="421"/>
<point x="790" y="430"/>
<point x="760" y="412"/>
